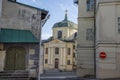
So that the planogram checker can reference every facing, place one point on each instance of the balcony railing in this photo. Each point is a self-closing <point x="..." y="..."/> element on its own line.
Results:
<point x="76" y="1"/>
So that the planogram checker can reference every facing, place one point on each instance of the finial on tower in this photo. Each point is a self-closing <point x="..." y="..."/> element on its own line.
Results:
<point x="66" y="15"/>
<point x="66" y="11"/>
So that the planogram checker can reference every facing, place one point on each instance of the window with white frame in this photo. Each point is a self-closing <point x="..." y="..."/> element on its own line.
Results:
<point x="119" y="25"/>
<point x="90" y="5"/>
<point x="89" y="34"/>
<point x="59" y="34"/>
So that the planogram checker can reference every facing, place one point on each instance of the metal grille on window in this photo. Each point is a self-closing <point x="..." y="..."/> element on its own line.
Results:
<point x="89" y="34"/>
<point x="118" y="24"/>
<point x="90" y="5"/>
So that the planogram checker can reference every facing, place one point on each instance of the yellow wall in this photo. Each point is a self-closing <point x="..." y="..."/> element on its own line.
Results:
<point x="68" y="33"/>
<point x="62" y="56"/>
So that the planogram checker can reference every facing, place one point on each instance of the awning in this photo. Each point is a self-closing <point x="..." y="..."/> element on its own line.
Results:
<point x="17" y="36"/>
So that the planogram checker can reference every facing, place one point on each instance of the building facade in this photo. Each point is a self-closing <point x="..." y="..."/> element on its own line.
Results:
<point x="59" y="50"/>
<point x="108" y="38"/>
<point x="20" y="27"/>
<point x="104" y="57"/>
<point x="85" y="40"/>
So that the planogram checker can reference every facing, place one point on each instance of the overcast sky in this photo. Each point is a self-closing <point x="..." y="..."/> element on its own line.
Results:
<point x="56" y="10"/>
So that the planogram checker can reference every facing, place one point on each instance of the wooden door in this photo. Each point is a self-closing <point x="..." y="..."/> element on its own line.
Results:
<point x="15" y="59"/>
<point x="20" y="59"/>
<point x="56" y="63"/>
<point x="9" y="62"/>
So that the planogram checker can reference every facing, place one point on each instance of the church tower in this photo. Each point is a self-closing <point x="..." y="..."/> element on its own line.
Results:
<point x="59" y="50"/>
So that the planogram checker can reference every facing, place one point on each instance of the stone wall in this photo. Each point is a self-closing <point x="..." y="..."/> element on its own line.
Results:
<point x="0" y="7"/>
<point x="18" y="16"/>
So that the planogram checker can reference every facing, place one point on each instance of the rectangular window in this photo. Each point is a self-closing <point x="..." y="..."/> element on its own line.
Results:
<point x="90" y="5"/>
<point x="46" y="61"/>
<point x="89" y="34"/>
<point x="119" y="25"/>
<point x="73" y="55"/>
<point x="46" y="51"/>
<point x="68" y="51"/>
<point x="56" y="50"/>
<point x="73" y="46"/>
<point x="68" y="62"/>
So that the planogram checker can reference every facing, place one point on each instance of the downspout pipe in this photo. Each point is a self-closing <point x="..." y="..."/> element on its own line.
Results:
<point x="95" y="39"/>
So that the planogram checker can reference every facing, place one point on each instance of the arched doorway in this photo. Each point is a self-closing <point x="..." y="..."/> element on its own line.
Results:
<point x="15" y="58"/>
<point x="56" y="63"/>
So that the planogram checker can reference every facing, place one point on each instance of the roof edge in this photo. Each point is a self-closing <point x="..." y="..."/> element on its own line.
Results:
<point x="45" y="11"/>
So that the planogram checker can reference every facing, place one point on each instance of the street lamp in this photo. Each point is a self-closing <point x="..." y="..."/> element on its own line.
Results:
<point x="41" y="25"/>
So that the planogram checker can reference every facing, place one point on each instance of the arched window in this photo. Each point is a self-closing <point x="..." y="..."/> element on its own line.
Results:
<point x="46" y="61"/>
<point x="56" y="50"/>
<point x="56" y="63"/>
<point x="68" y="51"/>
<point x="46" y="50"/>
<point x="68" y="62"/>
<point x="75" y="35"/>
<point x="59" y="34"/>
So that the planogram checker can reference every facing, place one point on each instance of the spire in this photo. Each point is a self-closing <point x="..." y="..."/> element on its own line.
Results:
<point x="66" y="15"/>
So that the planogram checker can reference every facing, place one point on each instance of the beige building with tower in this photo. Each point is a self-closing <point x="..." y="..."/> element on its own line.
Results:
<point x="100" y="55"/>
<point x="59" y="50"/>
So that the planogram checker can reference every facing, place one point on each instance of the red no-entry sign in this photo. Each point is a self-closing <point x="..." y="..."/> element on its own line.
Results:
<point x="102" y="55"/>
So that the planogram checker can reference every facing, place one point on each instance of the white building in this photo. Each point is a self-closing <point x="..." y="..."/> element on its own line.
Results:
<point x="90" y="59"/>
<point x="108" y="38"/>
<point x="85" y="48"/>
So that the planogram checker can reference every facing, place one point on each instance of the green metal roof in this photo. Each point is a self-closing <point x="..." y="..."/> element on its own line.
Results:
<point x="65" y="23"/>
<point x="17" y="36"/>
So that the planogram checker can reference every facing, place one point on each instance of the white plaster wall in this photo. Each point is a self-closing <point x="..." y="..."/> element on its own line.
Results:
<point x="83" y="25"/>
<point x="82" y="9"/>
<point x="108" y="67"/>
<point x="85" y="51"/>
<point x="108" y="39"/>
<point x="117" y="15"/>
<point x="106" y="27"/>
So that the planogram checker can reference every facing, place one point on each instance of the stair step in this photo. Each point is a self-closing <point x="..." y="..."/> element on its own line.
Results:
<point x="14" y="74"/>
<point x="14" y="79"/>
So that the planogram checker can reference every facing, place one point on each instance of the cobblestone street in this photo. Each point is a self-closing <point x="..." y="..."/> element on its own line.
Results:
<point x="61" y="76"/>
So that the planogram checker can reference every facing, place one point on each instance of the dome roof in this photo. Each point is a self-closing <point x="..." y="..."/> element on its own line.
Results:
<point x="65" y="23"/>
